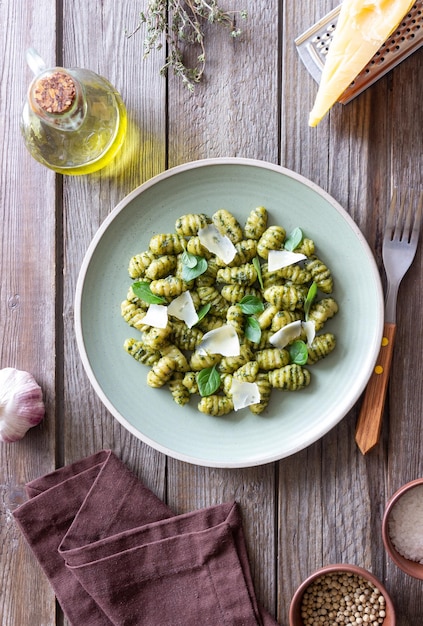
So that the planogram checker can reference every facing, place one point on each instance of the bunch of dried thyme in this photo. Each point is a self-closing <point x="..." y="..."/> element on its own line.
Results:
<point x="180" y="23"/>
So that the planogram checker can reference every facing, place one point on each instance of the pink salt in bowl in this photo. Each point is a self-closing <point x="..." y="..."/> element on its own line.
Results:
<point x="358" y="576"/>
<point x="402" y="528"/>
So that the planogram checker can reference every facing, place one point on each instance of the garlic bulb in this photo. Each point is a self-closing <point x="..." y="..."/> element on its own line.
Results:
<point x="21" y="404"/>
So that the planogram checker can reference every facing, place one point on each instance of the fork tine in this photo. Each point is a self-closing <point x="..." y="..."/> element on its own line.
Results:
<point x="407" y="215"/>
<point x="404" y="224"/>
<point x="390" y="221"/>
<point x="403" y="219"/>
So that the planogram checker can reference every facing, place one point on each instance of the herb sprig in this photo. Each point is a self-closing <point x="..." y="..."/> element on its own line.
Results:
<point x="179" y="23"/>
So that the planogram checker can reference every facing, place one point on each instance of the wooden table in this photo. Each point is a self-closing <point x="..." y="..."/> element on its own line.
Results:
<point x="319" y="506"/>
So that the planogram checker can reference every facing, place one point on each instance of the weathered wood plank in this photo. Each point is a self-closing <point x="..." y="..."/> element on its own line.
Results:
<point x="232" y="112"/>
<point x="27" y="304"/>
<point x="405" y="437"/>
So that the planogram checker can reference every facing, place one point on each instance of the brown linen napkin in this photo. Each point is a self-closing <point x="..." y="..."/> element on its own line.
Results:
<point x="116" y="555"/>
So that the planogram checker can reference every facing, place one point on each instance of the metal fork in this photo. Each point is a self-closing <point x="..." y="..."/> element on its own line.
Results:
<point x="398" y="250"/>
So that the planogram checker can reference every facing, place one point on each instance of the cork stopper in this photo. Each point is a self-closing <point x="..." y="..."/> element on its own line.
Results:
<point x="55" y="93"/>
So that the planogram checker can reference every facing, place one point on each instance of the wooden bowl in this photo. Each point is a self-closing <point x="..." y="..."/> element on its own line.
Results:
<point x="295" y="618"/>
<point x="412" y="568"/>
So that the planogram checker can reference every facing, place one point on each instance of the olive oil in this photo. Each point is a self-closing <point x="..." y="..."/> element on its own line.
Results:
<point x="74" y="121"/>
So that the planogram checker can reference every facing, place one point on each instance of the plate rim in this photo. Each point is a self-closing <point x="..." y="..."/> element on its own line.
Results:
<point x="154" y="180"/>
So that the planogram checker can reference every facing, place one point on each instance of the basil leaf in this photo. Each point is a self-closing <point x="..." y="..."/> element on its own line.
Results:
<point x="293" y="240"/>
<point x="202" y="312"/>
<point x="298" y="352"/>
<point x="311" y="294"/>
<point x="188" y="259"/>
<point x="252" y="329"/>
<point x="208" y="381"/>
<point x="257" y="266"/>
<point x="190" y="272"/>
<point x="142" y="290"/>
<point x="250" y="305"/>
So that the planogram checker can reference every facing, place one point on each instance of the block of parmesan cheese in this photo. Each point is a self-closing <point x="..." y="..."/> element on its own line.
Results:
<point x="363" y="26"/>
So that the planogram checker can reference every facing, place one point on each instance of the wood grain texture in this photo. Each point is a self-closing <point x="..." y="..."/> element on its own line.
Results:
<point x="27" y="304"/>
<point x="323" y="504"/>
<point x="234" y="112"/>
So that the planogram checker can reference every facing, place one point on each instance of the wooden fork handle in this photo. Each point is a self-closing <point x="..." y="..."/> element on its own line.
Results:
<point x="369" y="422"/>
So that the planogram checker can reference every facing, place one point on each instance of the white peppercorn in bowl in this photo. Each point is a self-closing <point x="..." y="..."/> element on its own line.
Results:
<point x="402" y="528"/>
<point x="341" y="590"/>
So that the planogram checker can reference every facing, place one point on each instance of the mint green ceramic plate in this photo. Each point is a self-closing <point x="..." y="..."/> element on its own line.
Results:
<point x="293" y="420"/>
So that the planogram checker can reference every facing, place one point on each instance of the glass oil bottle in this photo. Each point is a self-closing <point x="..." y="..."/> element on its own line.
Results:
<point x="73" y="121"/>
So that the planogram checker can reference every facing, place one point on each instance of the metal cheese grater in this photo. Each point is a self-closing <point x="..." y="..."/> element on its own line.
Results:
<point x="313" y="46"/>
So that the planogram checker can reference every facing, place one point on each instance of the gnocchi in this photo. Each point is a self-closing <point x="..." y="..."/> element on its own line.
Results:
<point x="221" y="293"/>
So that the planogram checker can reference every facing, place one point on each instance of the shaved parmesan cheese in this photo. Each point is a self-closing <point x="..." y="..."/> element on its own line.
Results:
<point x="216" y="243"/>
<point x="310" y="331"/>
<point x="223" y="340"/>
<point x="183" y="308"/>
<point x="362" y="27"/>
<point x="286" y="334"/>
<point x="282" y="258"/>
<point x="244" y="394"/>
<point x="291" y="331"/>
<point x="156" y="316"/>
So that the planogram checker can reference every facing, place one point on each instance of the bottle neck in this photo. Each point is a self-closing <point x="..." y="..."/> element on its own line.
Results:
<point x="57" y="98"/>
